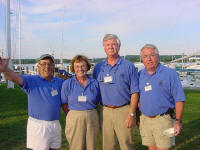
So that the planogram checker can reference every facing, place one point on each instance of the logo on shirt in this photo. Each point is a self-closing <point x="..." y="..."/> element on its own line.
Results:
<point x="92" y="90"/>
<point x="160" y="83"/>
<point x="122" y="75"/>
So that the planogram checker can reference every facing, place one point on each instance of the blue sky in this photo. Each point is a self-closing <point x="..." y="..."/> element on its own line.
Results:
<point x="172" y="25"/>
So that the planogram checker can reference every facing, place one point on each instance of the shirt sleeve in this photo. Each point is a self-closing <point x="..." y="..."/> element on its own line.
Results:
<point x="26" y="79"/>
<point x="134" y="88"/>
<point x="94" y="73"/>
<point x="98" y="93"/>
<point x="64" y="92"/>
<point x="97" y="70"/>
<point x="177" y="91"/>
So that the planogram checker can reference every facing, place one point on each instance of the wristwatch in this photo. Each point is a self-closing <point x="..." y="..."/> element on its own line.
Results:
<point x="131" y="114"/>
<point x="179" y="120"/>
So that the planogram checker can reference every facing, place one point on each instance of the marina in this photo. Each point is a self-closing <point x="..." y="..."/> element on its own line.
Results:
<point x="189" y="72"/>
<point x="188" y="68"/>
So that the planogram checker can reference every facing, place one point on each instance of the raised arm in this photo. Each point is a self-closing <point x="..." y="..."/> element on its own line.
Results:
<point x="8" y="73"/>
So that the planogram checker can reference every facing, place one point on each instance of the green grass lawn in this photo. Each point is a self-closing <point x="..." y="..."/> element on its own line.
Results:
<point x="13" y="119"/>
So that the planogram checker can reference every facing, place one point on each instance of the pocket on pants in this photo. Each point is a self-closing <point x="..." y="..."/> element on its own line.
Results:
<point x="34" y="128"/>
<point x="142" y="127"/>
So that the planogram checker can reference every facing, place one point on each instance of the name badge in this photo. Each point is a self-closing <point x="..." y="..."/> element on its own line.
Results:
<point x="54" y="92"/>
<point x="108" y="79"/>
<point x="148" y="88"/>
<point x="82" y="98"/>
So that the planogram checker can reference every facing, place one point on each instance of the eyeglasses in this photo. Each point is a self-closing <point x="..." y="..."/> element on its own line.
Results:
<point x="81" y="66"/>
<point x="147" y="56"/>
<point x="112" y="44"/>
<point x="47" y="64"/>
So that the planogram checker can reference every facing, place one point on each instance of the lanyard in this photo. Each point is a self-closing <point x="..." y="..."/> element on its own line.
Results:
<point x="116" y="68"/>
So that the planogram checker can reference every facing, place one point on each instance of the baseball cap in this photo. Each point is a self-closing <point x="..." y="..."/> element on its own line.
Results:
<point x="46" y="56"/>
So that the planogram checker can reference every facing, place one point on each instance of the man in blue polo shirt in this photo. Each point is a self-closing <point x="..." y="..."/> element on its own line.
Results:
<point x="44" y="102"/>
<point x="118" y="83"/>
<point x="160" y="92"/>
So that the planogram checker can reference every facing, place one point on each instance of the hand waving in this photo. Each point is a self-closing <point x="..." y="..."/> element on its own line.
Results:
<point x="4" y="64"/>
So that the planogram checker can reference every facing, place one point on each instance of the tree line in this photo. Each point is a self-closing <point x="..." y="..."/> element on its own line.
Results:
<point x="132" y="58"/>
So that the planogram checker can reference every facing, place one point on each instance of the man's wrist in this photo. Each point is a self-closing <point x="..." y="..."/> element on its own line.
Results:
<point x="131" y="114"/>
<point x="178" y="120"/>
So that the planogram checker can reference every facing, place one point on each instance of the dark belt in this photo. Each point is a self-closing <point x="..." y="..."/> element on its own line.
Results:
<point x="168" y="112"/>
<point x="113" y="107"/>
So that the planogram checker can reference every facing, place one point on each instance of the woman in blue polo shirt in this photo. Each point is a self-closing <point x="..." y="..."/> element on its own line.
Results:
<point x="81" y="94"/>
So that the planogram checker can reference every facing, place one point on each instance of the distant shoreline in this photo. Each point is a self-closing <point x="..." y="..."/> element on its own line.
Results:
<point x="132" y="58"/>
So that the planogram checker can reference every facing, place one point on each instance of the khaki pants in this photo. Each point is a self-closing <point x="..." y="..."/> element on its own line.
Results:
<point x="113" y="125"/>
<point x="82" y="129"/>
<point x="151" y="131"/>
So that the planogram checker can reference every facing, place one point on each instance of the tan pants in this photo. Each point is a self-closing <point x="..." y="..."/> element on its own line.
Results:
<point x="113" y="125"/>
<point x="82" y="129"/>
<point x="151" y="131"/>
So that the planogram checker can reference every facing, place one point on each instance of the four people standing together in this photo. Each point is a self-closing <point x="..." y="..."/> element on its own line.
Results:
<point x="117" y="87"/>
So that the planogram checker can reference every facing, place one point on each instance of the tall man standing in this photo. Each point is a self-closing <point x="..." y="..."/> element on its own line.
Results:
<point x="118" y="82"/>
<point x="44" y="102"/>
<point x="160" y="92"/>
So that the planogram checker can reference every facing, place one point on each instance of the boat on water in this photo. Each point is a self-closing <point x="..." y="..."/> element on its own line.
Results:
<point x="194" y="67"/>
<point x="189" y="72"/>
<point x="190" y="67"/>
<point x="139" y="66"/>
<point x="190" y="81"/>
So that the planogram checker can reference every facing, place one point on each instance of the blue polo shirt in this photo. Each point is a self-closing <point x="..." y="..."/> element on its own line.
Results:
<point x="166" y="89"/>
<point x="42" y="104"/>
<point x="72" y="89"/>
<point x="124" y="81"/>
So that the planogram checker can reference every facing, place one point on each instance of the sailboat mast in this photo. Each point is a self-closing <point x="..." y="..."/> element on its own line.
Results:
<point x="19" y="13"/>
<point x="8" y="40"/>
<point x="8" y="34"/>
<point x="62" y="40"/>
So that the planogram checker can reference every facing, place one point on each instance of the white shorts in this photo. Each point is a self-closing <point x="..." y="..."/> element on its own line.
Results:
<point x="42" y="135"/>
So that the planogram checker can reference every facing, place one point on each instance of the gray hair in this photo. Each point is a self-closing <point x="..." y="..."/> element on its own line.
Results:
<point x="150" y="46"/>
<point x="111" y="36"/>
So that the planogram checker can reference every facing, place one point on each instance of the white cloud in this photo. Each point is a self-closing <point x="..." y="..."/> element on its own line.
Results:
<point x="136" y="22"/>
